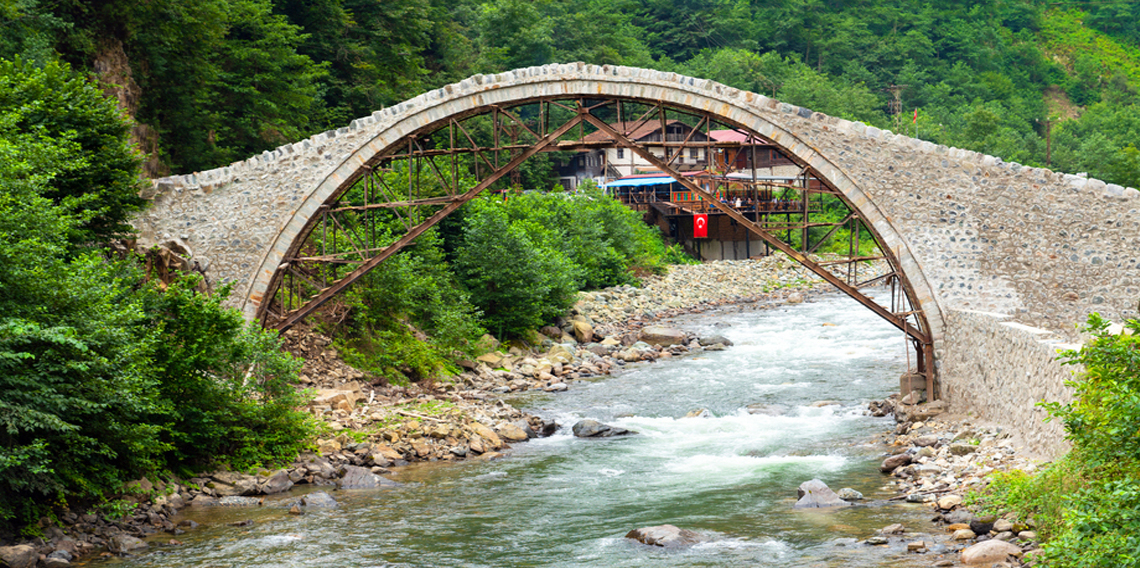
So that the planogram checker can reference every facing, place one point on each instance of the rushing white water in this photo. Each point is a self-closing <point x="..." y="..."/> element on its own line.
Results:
<point x="565" y="501"/>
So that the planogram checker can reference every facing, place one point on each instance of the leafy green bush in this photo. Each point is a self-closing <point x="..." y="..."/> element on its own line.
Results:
<point x="414" y="291"/>
<point x="512" y="275"/>
<point x="227" y="384"/>
<point x="1103" y="420"/>
<point x="103" y="376"/>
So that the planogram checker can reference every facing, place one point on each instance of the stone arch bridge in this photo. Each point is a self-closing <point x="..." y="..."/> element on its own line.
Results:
<point x="995" y="261"/>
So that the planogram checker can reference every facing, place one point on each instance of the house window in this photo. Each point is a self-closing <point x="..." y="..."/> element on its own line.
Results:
<point x="620" y="153"/>
<point x="693" y="153"/>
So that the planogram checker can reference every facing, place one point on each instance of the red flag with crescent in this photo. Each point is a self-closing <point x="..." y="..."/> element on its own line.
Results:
<point x="700" y="226"/>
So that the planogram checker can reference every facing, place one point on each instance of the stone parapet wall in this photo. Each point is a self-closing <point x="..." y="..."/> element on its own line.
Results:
<point x="997" y="370"/>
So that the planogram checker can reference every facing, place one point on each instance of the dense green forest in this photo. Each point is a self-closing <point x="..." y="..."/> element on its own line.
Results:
<point x="214" y="81"/>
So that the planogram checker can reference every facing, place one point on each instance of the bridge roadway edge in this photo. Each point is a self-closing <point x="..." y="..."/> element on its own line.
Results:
<point x="971" y="232"/>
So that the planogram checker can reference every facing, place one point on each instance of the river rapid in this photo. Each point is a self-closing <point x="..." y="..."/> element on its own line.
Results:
<point x="564" y="501"/>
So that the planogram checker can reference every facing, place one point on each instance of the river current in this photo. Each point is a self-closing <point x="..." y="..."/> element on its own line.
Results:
<point x="565" y="501"/>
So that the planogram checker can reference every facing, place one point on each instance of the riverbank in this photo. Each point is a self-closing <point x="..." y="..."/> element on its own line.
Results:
<point x="372" y="428"/>
<point x="937" y="459"/>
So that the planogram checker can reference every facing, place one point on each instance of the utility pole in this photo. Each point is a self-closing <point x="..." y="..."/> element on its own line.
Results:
<point x="894" y="106"/>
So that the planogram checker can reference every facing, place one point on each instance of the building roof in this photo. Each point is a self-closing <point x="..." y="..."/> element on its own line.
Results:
<point x="638" y="132"/>
<point x="648" y="179"/>
<point x="732" y="135"/>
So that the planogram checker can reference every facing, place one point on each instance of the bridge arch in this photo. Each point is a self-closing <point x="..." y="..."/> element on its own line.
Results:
<point x="480" y="95"/>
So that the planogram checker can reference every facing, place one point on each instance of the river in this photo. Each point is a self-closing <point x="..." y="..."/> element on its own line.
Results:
<point x="564" y="501"/>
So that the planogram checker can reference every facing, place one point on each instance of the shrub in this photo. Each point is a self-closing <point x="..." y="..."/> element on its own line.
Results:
<point x="1103" y="421"/>
<point x="228" y="384"/>
<point x="512" y="277"/>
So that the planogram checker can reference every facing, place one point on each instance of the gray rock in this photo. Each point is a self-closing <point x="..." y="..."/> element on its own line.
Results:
<point x="849" y="494"/>
<point x="356" y="477"/>
<point x="277" y="483"/>
<point x="894" y="462"/>
<point x="658" y="335"/>
<point x="815" y="494"/>
<point x="962" y="449"/>
<point x="125" y="543"/>
<point x="715" y="347"/>
<point x="715" y="339"/>
<point x="318" y="500"/>
<point x="959" y="516"/>
<point x="203" y="500"/>
<point x="667" y="536"/>
<point x="877" y="539"/>
<point x="925" y="441"/>
<point x="62" y="554"/>
<point x="524" y="425"/>
<point x="594" y="429"/>
<point x="19" y="556"/>
<point x="54" y="563"/>
<point x="768" y="409"/>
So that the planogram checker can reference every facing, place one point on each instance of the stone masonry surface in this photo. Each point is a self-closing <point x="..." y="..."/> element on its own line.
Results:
<point x="971" y="232"/>
<point x="1000" y="370"/>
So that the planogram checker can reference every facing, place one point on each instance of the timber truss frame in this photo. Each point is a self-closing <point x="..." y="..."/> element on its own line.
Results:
<point x="414" y="184"/>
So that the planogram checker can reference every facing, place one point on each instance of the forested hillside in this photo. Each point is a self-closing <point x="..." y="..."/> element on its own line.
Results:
<point x="213" y="81"/>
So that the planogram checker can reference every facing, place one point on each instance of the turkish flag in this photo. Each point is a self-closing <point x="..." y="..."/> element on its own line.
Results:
<point x="700" y="226"/>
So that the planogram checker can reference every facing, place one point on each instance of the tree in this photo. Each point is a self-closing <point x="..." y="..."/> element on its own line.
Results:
<point x="50" y="102"/>
<point x="517" y="283"/>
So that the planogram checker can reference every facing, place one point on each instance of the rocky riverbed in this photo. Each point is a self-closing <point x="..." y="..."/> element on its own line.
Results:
<point x="934" y="458"/>
<point x="373" y="427"/>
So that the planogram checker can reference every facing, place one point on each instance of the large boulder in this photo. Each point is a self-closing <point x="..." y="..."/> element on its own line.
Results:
<point x="279" y="481"/>
<point x="990" y="551"/>
<point x="894" y="462"/>
<point x="583" y="331"/>
<point x="594" y="429"/>
<point x="512" y="433"/>
<point x="19" y="556"/>
<point x="487" y="434"/>
<point x="658" y="335"/>
<point x="318" y="500"/>
<point x="667" y="536"/>
<point x="125" y="544"/>
<point x="815" y="494"/>
<point x="714" y="340"/>
<point x="356" y="477"/>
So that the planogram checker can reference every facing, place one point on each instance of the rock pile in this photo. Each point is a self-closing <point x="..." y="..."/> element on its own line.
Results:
<point x="935" y="460"/>
<point x="687" y="287"/>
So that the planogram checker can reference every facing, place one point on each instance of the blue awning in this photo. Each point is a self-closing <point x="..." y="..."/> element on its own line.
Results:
<point x="663" y="180"/>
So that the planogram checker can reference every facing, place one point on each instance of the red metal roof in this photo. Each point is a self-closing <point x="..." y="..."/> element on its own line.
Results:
<point x="735" y="136"/>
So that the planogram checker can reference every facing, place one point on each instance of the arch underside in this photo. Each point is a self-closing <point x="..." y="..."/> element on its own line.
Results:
<point x="413" y="177"/>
